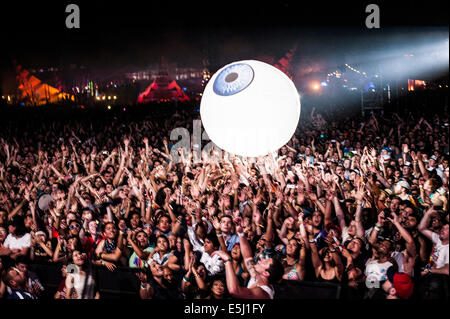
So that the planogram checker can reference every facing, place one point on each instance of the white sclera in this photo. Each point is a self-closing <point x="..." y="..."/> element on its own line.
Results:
<point x="257" y="120"/>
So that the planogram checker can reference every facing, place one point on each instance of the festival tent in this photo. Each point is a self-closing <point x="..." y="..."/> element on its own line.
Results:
<point x="32" y="91"/>
<point x="162" y="89"/>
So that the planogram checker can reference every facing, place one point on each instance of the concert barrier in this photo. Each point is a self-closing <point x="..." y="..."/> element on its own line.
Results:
<point x="123" y="284"/>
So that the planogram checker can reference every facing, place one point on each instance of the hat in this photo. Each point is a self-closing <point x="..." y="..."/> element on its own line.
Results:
<point x="407" y="164"/>
<point x="388" y="191"/>
<point x="40" y="232"/>
<point x="387" y="149"/>
<point x="403" y="285"/>
<point x="433" y="157"/>
<point x="401" y="282"/>
<point x="404" y="184"/>
<point x="331" y="226"/>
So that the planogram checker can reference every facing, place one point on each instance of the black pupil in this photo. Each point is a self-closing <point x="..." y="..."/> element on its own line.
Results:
<point x="231" y="77"/>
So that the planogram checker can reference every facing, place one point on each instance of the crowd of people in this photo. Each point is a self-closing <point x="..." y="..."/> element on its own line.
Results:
<point x="357" y="201"/>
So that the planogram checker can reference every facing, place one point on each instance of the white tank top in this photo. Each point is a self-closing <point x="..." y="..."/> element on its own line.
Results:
<point x="270" y="291"/>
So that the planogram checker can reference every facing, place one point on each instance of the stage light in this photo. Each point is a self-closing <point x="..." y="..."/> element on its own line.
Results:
<point x="250" y="108"/>
<point x="115" y="97"/>
<point x="315" y="86"/>
<point x="109" y="107"/>
<point x="324" y="83"/>
<point x="109" y="98"/>
<point x="103" y="97"/>
<point x="124" y="109"/>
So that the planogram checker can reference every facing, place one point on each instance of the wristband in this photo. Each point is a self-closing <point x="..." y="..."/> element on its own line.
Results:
<point x="103" y="262"/>
<point x="143" y="286"/>
<point x="241" y="234"/>
<point x="313" y="240"/>
<point x="219" y="234"/>
<point x="186" y="279"/>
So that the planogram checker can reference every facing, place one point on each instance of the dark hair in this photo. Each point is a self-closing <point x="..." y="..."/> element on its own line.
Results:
<point x="18" y="222"/>
<point x="276" y="271"/>
<point x="212" y="237"/>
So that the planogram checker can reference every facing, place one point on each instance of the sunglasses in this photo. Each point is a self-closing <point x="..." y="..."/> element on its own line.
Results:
<point x="74" y="226"/>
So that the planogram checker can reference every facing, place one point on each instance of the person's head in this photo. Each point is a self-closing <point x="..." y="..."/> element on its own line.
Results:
<point x="218" y="287"/>
<point x="17" y="226"/>
<point x="395" y="204"/>
<point x="74" y="227"/>
<point x="156" y="270"/>
<point x="134" y="219"/>
<point x="162" y="243"/>
<point x="293" y="248"/>
<point x="3" y="217"/>
<point x="168" y="275"/>
<point x="163" y="223"/>
<point x="325" y="256"/>
<point x="142" y="239"/>
<point x="443" y="234"/>
<point x="211" y="243"/>
<point x="401" y="187"/>
<point x="78" y="257"/>
<point x="431" y="185"/>
<point x="3" y="234"/>
<point x="317" y="219"/>
<point x="236" y="252"/>
<point x="14" y="278"/>
<point x="411" y="220"/>
<point x="201" y="230"/>
<point x="110" y="230"/>
<point x="270" y="268"/>
<point x="356" y="246"/>
<point x="226" y="224"/>
<point x="384" y="248"/>
<point x="21" y="263"/>
<point x="398" y="285"/>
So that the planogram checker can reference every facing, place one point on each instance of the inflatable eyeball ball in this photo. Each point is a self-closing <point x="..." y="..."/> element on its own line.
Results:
<point x="250" y="108"/>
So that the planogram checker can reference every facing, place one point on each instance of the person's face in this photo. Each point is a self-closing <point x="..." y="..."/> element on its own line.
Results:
<point x="156" y="269"/>
<point x="317" y="219"/>
<point x="163" y="224"/>
<point x="218" y="288"/>
<point x="394" y="204"/>
<point x="291" y="247"/>
<point x="263" y="265"/>
<point x="168" y="275"/>
<point x="226" y="225"/>
<point x="110" y="231"/>
<point x="201" y="270"/>
<point x="70" y="216"/>
<point x="74" y="228"/>
<point x="347" y="164"/>
<point x="78" y="258"/>
<point x="162" y="244"/>
<point x="3" y="234"/>
<point x="406" y="170"/>
<point x="384" y="247"/>
<point x="339" y="170"/>
<point x="3" y="217"/>
<point x="22" y="267"/>
<point x="209" y="247"/>
<point x="11" y="229"/>
<point x="142" y="239"/>
<point x="410" y="222"/>
<point x="354" y="246"/>
<point x="236" y="252"/>
<point x="443" y="235"/>
<point x="17" y="278"/>
<point x="172" y="241"/>
<point x="134" y="221"/>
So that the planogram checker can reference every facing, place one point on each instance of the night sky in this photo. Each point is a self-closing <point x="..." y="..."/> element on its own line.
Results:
<point x="122" y="33"/>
